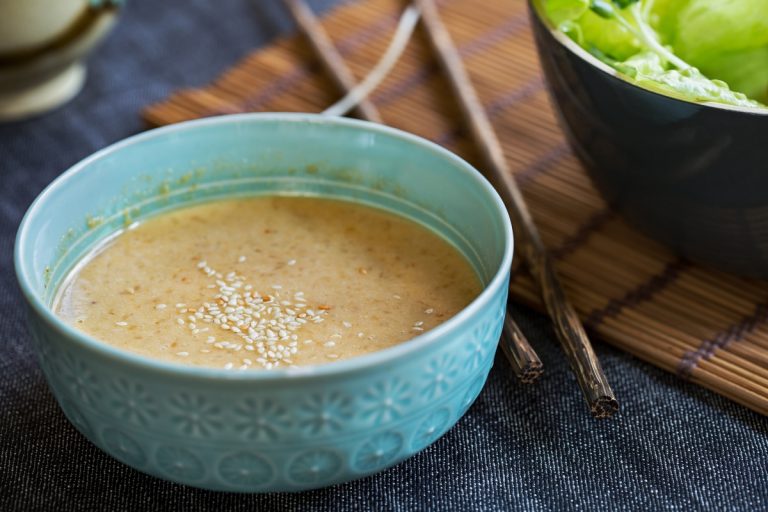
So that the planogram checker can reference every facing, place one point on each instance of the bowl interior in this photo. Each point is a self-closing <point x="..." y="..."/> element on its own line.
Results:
<point x="258" y="154"/>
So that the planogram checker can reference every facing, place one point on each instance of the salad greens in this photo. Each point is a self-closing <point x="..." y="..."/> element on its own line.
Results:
<point x="677" y="47"/>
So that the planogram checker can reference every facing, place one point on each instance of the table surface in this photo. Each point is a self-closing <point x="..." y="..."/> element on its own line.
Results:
<point x="673" y="446"/>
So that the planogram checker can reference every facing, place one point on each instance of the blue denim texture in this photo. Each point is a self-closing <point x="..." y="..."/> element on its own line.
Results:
<point x="673" y="446"/>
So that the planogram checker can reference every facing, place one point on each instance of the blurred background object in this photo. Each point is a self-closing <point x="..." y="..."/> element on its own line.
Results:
<point x="42" y="45"/>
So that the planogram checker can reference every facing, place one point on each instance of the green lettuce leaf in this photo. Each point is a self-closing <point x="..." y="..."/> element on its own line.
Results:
<point x="727" y="39"/>
<point x="663" y="44"/>
<point x="663" y="17"/>
<point x="745" y="71"/>
<point x="613" y="39"/>
<point x="648" y="70"/>
<point x="713" y="27"/>
<point x="559" y="11"/>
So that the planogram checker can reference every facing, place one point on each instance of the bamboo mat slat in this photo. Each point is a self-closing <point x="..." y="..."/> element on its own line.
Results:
<point x="703" y="325"/>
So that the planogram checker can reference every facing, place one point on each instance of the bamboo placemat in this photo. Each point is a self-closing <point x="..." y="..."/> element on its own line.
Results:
<point x="701" y="324"/>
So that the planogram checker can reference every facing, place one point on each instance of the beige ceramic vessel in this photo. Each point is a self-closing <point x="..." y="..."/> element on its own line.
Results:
<point x="42" y="46"/>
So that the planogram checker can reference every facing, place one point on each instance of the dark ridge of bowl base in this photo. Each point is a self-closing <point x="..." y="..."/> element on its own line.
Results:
<point x="694" y="177"/>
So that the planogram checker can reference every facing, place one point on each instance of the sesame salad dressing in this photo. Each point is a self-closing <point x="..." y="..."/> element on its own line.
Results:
<point x="267" y="282"/>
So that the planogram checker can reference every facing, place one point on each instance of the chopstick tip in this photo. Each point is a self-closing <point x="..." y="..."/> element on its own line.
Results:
<point x="531" y="373"/>
<point x="604" y="407"/>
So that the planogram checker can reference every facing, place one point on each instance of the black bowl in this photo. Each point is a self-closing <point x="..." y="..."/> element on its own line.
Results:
<point x="693" y="176"/>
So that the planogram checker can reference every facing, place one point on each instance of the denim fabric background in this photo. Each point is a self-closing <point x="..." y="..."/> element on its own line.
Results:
<point x="673" y="446"/>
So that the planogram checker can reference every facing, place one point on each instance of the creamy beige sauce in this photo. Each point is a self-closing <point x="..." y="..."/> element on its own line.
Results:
<point x="267" y="282"/>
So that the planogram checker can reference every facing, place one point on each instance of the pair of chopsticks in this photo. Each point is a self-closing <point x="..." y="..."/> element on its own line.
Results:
<point x="523" y="359"/>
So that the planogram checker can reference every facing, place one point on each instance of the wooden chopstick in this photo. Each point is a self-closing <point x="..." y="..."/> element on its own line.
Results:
<point x="521" y="356"/>
<point x="570" y="332"/>
<point x="329" y="56"/>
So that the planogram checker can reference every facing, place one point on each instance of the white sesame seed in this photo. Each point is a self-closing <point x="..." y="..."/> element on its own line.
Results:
<point x="429" y="311"/>
<point x="182" y="354"/>
<point x="332" y="356"/>
<point x="396" y="296"/>
<point x="329" y="344"/>
<point x="160" y="306"/>
<point x="346" y="324"/>
<point x="241" y="259"/>
<point x="265" y="323"/>
<point x="291" y="262"/>
<point x="228" y="366"/>
<point x="121" y="324"/>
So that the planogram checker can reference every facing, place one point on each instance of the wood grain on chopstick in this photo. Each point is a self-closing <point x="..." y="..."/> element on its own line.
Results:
<point x="329" y="56"/>
<point x="521" y="356"/>
<point x="570" y="332"/>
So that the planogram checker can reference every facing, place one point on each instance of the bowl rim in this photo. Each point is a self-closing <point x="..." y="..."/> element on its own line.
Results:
<point x="346" y="366"/>
<point x="537" y="8"/>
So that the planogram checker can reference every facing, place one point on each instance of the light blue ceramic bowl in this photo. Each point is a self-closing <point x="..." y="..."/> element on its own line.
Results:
<point x="284" y="429"/>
